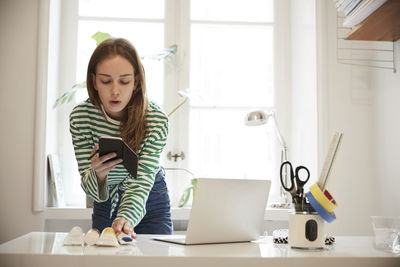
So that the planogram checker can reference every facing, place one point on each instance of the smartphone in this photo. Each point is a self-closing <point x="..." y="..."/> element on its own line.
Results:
<point x="117" y="145"/>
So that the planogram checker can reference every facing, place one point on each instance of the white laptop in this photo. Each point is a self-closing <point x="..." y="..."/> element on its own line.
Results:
<point x="225" y="211"/>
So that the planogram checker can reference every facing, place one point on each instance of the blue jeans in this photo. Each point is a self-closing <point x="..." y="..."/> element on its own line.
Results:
<point x="158" y="216"/>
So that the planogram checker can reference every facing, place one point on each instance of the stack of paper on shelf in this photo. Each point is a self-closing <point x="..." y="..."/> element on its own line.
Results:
<point x="355" y="11"/>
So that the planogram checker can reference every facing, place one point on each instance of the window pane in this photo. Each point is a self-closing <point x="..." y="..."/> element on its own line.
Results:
<point x="122" y="8"/>
<point x="138" y="34"/>
<point x="231" y="65"/>
<point x="222" y="146"/>
<point x="232" y="10"/>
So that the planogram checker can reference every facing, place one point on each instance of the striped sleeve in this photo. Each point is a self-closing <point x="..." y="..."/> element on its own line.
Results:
<point x="137" y="190"/>
<point x="83" y="145"/>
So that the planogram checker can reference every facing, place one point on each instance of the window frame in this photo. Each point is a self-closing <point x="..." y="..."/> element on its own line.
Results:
<point x="172" y="23"/>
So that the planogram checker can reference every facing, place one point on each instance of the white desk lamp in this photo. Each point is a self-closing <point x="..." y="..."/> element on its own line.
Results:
<point x="259" y="117"/>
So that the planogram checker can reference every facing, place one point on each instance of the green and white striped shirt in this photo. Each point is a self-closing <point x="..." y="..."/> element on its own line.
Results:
<point x="87" y="125"/>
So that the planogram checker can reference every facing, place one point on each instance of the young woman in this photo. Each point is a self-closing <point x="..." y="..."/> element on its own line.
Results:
<point x="118" y="107"/>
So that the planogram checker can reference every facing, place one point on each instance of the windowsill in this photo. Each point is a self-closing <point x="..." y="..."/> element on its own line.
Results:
<point x="271" y="214"/>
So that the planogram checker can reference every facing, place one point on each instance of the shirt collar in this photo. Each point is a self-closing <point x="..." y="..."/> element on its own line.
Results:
<point x="108" y="118"/>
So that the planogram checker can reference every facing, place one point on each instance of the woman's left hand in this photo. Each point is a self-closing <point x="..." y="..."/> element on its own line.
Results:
<point x="121" y="225"/>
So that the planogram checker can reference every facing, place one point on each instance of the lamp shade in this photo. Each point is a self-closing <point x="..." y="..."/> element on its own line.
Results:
<point x="256" y="117"/>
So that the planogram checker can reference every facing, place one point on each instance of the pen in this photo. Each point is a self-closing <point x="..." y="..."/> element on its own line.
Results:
<point x="91" y="156"/>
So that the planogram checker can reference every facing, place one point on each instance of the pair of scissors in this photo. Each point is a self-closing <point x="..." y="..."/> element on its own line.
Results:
<point x="296" y="184"/>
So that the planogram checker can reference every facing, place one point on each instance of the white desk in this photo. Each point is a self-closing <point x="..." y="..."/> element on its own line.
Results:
<point x="46" y="249"/>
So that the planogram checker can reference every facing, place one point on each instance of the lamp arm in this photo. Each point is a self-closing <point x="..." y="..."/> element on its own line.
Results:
<point x="280" y="137"/>
<point x="284" y="157"/>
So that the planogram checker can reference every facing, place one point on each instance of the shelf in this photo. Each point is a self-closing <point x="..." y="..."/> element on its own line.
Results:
<point x="363" y="53"/>
<point x="381" y="25"/>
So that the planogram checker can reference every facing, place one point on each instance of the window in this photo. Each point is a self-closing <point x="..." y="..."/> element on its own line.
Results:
<point x="225" y="63"/>
<point x="231" y="71"/>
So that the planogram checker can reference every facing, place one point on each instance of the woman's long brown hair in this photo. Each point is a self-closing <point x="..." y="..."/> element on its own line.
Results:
<point x="133" y="118"/>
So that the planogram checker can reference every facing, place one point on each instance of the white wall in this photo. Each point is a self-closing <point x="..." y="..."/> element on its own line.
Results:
<point x="18" y="29"/>
<point x="349" y="110"/>
<point x="385" y="86"/>
<point x="362" y="103"/>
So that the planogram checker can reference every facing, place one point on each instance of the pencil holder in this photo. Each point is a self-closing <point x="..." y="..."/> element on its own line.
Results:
<point x="306" y="230"/>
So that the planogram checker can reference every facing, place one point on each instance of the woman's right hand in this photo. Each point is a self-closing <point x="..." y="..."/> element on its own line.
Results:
<point x="100" y="167"/>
